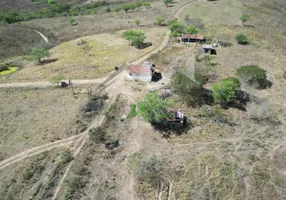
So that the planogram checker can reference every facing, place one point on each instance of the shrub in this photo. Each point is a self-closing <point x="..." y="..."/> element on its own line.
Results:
<point x="160" y="20"/>
<point x="66" y="157"/>
<point x="108" y="10"/>
<point x="117" y="9"/>
<point x="132" y="112"/>
<point x="225" y="90"/>
<point x="97" y="134"/>
<point x="154" y="109"/>
<point x="71" y="20"/>
<point x="241" y="39"/>
<point x="254" y="75"/>
<point x="146" y="4"/>
<point x="137" y="21"/>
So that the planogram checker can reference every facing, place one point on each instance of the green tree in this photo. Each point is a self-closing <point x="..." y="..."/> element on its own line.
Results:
<point x="138" y="4"/>
<point x="146" y="4"/>
<point x="160" y="20"/>
<point x="117" y="9"/>
<point x="254" y="75"/>
<point x="154" y="109"/>
<point x="56" y="79"/>
<point x="244" y="18"/>
<point x="176" y="26"/>
<point x="137" y="21"/>
<point x="225" y="90"/>
<point x="191" y="30"/>
<point x="38" y="54"/>
<point x="167" y="2"/>
<point x="187" y="89"/>
<point x="135" y="37"/>
<point x="126" y="7"/>
<point x="133" y="6"/>
<point x="241" y="39"/>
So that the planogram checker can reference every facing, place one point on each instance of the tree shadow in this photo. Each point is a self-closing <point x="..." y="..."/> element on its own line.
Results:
<point x="144" y="45"/>
<point x="168" y="128"/>
<point x="205" y="98"/>
<point x="47" y="61"/>
<point x="250" y="26"/>
<point x="239" y="102"/>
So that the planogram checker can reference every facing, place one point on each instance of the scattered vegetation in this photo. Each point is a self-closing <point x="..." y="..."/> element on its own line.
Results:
<point x="97" y="135"/>
<point x="154" y="109"/>
<point x="149" y="169"/>
<point x="177" y="28"/>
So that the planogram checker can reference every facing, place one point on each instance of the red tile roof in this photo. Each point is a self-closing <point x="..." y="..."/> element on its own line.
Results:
<point x="189" y="36"/>
<point x="138" y="69"/>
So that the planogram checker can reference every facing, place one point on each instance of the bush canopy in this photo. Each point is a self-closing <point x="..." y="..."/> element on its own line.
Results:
<point x="225" y="90"/>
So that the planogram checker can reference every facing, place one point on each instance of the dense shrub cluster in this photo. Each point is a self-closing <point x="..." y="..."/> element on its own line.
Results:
<point x="226" y="90"/>
<point x="178" y="28"/>
<point x="253" y="75"/>
<point x="52" y="11"/>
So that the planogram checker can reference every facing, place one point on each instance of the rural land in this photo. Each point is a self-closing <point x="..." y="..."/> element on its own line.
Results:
<point x="142" y="100"/>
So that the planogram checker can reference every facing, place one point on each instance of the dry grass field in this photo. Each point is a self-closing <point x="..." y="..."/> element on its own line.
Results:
<point x="32" y="117"/>
<point x="225" y="154"/>
<point x="96" y="58"/>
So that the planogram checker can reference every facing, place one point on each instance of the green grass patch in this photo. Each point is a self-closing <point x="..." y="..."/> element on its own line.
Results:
<point x="9" y="70"/>
<point x="132" y="112"/>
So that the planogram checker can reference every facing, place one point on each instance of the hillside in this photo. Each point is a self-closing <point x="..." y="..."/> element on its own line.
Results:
<point x="83" y="117"/>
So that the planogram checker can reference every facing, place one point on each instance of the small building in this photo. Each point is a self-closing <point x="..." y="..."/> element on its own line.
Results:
<point x="208" y="49"/>
<point x="188" y="38"/>
<point x="140" y="72"/>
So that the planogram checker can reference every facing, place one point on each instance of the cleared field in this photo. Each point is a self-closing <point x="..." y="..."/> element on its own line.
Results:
<point x="31" y="117"/>
<point x="34" y="178"/>
<point x="96" y="58"/>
